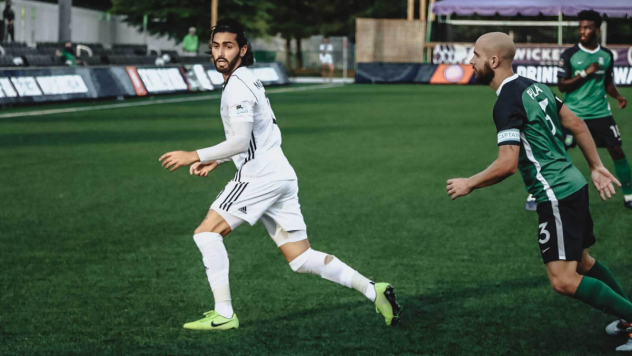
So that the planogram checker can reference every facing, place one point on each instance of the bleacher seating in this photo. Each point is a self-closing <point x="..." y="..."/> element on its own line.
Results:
<point x="7" y="61"/>
<point x="173" y="54"/>
<point x="131" y="59"/>
<point x="40" y="60"/>
<point x="194" y="60"/>
<point x="140" y="50"/>
<point x="44" y="54"/>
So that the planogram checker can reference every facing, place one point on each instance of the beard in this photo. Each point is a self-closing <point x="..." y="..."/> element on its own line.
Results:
<point x="230" y="67"/>
<point x="592" y="39"/>
<point x="486" y="75"/>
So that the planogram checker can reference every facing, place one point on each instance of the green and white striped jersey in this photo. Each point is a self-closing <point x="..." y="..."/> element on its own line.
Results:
<point x="526" y="115"/>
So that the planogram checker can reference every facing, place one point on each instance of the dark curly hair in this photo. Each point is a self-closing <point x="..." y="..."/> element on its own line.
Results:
<point x="233" y="26"/>
<point x="590" y="15"/>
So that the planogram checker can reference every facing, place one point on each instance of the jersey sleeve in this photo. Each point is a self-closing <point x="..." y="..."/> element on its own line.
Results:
<point x="240" y="100"/>
<point x="509" y="119"/>
<point x="564" y="69"/>
<point x="559" y="103"/>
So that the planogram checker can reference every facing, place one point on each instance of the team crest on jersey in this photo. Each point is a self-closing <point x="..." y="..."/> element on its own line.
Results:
<point x="601" y="60"/>
<point x="240" y="109"/>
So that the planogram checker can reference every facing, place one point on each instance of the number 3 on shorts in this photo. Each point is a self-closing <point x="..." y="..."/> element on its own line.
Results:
<point x="547" y="235"/>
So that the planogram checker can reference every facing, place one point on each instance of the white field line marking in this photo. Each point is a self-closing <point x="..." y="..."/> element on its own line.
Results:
<point x="153" y="102"/>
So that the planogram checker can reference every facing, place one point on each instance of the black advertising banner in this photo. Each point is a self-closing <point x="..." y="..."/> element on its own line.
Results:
<point x="548" y="74"/>
<point x="270" y="74"/>
<point x="394" y="72"/>
<point x="24" y="86"/>
<point x="426" y="73"/>
<point x="59" y="84"/>
<point x="42" y="85"/>
<point x="111" y="82"/>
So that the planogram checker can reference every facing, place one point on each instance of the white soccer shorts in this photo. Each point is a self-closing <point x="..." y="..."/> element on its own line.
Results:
<point x="326" y="59"/>
<point x="274" y="203"/>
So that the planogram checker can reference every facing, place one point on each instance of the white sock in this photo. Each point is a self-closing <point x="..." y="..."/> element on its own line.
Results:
<point x="215" y="260"/>
<point x="627" y="198"/>
<point x="313" y="262"/>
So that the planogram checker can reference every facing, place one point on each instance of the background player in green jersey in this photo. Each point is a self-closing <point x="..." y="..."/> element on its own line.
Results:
<point x="586" y="76"/>
<point x="529" y="121"/>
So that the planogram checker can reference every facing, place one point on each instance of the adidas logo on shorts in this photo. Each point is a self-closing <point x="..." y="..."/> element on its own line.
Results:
<point x="243" y="210"/>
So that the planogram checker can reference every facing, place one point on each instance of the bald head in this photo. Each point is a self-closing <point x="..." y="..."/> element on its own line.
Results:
<point x="493" y="54"/>
<point x="497" y="44"/>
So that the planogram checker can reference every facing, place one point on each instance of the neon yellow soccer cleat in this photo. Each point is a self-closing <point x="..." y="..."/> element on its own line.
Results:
<point x="386" y="304"/>
<point x="213" y="321"/>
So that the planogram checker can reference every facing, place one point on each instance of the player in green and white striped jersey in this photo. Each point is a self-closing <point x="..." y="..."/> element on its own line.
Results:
<point x="529" y="121"/>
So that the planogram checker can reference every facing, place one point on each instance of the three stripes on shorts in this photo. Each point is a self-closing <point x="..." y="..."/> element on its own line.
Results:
<point x="237" y="190"/>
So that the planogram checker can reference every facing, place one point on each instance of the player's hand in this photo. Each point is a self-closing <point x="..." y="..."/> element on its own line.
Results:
<point x="603" y="181"/>
<point x="176" y="159"/>
<point x="594" y="67"/>
<point x="622" y="102"/>
<point x="458" y="187"/>
<point x="202" y="169"/>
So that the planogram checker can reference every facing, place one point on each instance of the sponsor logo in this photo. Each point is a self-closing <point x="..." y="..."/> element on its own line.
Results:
<point x="162" y="80"/>
<point x="528" y="55"/>
<point x="243" y="210"/>
<point x="453" y="73"/>
<point x="546" y="249"/>
<point x="623" y="75"/>
<point x="240" y="109"/>
<point x="216" y="325"/>
<point x="580" y="62"/>
<point x="542" y="74"/>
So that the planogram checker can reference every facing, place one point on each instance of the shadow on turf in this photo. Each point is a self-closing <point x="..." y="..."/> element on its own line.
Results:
<point x="445" y="309"/>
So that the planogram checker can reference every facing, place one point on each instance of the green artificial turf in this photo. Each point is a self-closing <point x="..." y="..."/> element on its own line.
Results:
<point x="97" y="255"/>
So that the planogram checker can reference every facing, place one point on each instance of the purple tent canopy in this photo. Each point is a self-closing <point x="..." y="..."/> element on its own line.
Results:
<point x="613" y="8"/>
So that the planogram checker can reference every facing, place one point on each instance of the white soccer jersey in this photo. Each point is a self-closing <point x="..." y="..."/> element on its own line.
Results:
<point x="326" y="58"/>
<point x="327" y="48"/>
<point x="244" y="100"/>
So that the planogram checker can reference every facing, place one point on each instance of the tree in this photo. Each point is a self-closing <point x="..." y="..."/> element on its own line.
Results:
<point x="294" y="19"/>
<point x="102" y="5"/>
<point x="174" y="17"/>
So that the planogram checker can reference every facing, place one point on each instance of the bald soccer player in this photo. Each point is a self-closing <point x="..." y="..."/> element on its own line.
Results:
<point x="529" y="120"/>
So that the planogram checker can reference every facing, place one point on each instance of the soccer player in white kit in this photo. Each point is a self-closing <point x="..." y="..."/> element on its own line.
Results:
<point x="326" y="50"/>
<point x="264" y="188"/>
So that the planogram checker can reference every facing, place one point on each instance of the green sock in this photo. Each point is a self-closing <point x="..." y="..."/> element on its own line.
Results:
<point x="602" y="273"/>
<point x="598" y="295"/>
<point x="624" y="172"/>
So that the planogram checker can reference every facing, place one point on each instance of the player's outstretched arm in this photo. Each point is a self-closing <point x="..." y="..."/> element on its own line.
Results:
<point x="235" y="145"/>
<point x="504" y="166"/>
<point x="601" y="177"/>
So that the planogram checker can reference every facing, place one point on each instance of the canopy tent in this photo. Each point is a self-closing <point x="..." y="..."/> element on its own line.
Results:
<point x="612" y="8"/>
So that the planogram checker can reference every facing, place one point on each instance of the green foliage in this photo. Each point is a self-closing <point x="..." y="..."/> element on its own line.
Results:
<point x="97" y="254"/>
<point x="174" y="17"/>
<point x="102" y="5"/>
